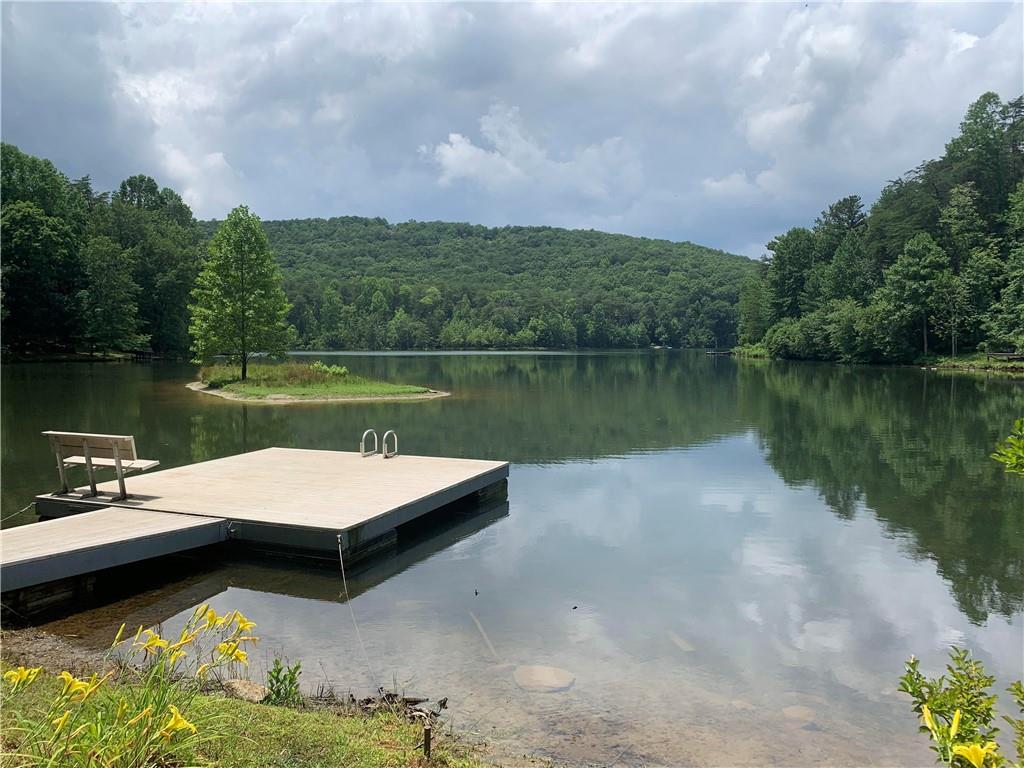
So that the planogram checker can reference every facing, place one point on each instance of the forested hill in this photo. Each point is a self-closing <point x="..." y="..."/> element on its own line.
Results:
<point x="87" y="270"/>
<point x="935" y="266"/>
<point x="359" y="283"/>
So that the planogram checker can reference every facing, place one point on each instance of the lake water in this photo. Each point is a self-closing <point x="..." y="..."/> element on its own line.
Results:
<point x="733" y="558"/>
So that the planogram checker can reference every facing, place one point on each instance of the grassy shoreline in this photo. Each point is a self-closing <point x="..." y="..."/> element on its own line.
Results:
<point x="269" y="736"/>
<point x="978" y="362"/>
<point x="250" y="735"/>
<point x="975" y="362"/>
<point x="301" y="381"/>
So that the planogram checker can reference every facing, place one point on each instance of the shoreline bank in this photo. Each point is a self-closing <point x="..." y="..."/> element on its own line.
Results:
<point x="322" y="728"/>
<point x="970" y="364"/>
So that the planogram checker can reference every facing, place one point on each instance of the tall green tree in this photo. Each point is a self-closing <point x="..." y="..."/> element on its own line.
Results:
<point x="161" y="232"/>
<point x="110" y="318"/>
<point x="755" y="312"/>
<point x="952" y="311"/>
<point x="911" y="281"/>
<point x="792" y="256"/>
<point x="141" y="191"/>
<point x="239" y="306"/>
<point x="962" y="229"/>
<point x="835" y="223"/>
<point x="1004" y="322"/>
<point x="39" y="276"/>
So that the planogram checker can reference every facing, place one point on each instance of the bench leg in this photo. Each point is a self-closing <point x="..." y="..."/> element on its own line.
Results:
<point x="120" y="473"/>
<point x="89" y="468"/>
<point x="62" y="473"/>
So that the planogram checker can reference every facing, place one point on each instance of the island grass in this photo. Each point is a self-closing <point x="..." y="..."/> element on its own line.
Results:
<point x="265" y="736"/>
<point x="977" y="361"/>
<point x="756" y="351"/>
<point x="300" y="380"/>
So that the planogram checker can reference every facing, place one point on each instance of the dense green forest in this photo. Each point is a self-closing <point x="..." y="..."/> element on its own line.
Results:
<point x="93" y="271"/>
<point x="358" y="283"/>
<point x="935" y="266"/>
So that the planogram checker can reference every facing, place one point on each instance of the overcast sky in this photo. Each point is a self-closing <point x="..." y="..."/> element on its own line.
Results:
<point x="721" y="124"/>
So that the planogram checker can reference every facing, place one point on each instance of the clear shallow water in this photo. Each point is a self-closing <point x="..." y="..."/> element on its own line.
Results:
<point x="704" y="543"/>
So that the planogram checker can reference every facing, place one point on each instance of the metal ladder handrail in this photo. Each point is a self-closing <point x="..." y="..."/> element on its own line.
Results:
<point x="362" y="443"/>
<point x="384" y="443"/>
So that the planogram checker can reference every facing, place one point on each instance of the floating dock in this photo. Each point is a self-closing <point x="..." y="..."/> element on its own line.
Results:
<point x="279" y="498"/>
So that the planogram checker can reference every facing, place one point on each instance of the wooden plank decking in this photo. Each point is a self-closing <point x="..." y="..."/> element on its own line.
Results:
<point x="102" y="538"/>
<point x="277" y="496"/>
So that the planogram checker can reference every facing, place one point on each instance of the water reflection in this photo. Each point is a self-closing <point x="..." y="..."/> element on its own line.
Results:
<point x="732" y="559"/>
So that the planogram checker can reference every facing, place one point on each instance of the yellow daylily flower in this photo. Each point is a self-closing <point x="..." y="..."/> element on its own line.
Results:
<point x="83" y="690"/>
<point x="21" y="675"/>
<point x="72" y="685"/>
<point x="144" y="713"/>
<point x="244" y="625"/>
<point x="926" y="716"/>
<point x="248" y="639"/>
<point x="153" y="642"/>
<point x="975" y="754"/>
<point x="233" y="652"/>
<point x="60" y="722"/>
<point x="184" y="640"/>
<point x="117" y="637"/>
<point x="175" y="655"/>
<point x="201" y="672"/>
<point x="175" y="724"/>
<point x="955" y="725"/>
<point x="211" y="618"/>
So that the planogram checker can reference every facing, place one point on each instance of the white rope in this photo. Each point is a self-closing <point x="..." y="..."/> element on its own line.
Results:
<point x="355" y="624"/>
<point x="15" y="514"/>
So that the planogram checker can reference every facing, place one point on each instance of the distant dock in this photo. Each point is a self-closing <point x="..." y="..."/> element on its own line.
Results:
<point x="277" y="498"/>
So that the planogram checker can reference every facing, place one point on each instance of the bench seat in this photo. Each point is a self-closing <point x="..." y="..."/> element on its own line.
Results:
<point x="136" y="465"/>
<point x="95" y="451"/>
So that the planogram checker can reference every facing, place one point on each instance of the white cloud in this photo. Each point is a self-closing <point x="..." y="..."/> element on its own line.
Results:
<point x="756" y="66"/>
<point x="735" y="185"/>
<point x="598" y="172"/>
<point x="641" y="118"/>
<point x="205" y="181"/>
<point x="459" y="158"/>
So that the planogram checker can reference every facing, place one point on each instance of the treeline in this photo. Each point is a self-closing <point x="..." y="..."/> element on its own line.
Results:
<point x="92" y="271"/>
<point x="936" y="266"/>
<point x="359" y="283"/>
<point x="97" y="272"/>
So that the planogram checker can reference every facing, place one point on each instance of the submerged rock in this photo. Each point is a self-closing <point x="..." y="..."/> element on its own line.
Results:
<point x="799" y="712"/>
<point x="539" y="679"/>
<point x="246" y="690"/>
<point x="679" y="643"/>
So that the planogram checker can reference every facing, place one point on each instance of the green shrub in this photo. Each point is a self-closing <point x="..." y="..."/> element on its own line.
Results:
<point x="957" y="711"/>
<point x="329" y="370"/>
<point x="283" y="683"/>
<point x="1011" y="452"/>
<point x="274" y="374"/>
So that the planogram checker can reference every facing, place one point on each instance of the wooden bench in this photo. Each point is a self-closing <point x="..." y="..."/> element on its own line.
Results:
<point x="1010" y="357"/>
<point x="96" y="451"/>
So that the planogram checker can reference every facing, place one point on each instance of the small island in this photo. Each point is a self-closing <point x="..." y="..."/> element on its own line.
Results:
<point x="292" y="382"/>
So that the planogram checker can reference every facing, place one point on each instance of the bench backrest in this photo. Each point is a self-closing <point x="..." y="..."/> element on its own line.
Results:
<point x="100" y="446"/>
